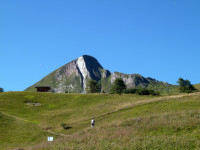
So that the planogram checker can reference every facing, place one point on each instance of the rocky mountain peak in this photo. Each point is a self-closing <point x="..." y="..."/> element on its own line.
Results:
<point x="74" y="76"/>
<point x="89" y="68"/>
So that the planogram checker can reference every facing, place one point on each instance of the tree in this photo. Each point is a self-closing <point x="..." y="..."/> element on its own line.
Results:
<point x="185" y="86"/>
<point x="118" y="86"/>
<point x="1" y="89"/>
<point x="93" y="87"/>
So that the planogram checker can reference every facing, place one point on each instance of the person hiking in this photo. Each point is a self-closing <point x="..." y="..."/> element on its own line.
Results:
<point x="92" y="123"/>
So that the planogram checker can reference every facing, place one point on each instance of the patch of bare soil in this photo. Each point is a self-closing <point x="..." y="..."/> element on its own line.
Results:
<point x="33" y="104"/>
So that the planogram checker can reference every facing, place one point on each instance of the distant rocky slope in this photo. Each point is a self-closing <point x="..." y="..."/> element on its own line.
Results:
<point x="73" y="77"/>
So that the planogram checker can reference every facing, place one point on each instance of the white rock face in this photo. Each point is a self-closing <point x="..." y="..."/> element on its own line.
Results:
<point x="127" y="80"/>
<point x="82" y="67"/>
<point x="73" y="77"/>
<point x="131" y="80"/>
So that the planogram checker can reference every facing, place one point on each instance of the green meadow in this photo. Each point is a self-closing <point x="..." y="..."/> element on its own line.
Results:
<point x="197" y="86"/>
<point x="126" y="121"/>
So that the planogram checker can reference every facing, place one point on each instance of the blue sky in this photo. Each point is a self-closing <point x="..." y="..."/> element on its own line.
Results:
<point x="154" y="38"/>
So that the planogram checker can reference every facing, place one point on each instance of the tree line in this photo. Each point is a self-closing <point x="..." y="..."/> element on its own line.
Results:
<point x="1" y="89"/>
<point x="119" y="87"/>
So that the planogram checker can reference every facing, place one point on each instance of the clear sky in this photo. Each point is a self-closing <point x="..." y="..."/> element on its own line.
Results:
<point x="154" y="38"/>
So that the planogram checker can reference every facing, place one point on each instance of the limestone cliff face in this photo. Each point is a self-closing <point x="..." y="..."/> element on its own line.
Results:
<point x="73" y="77"/>
<point x="131" y="80"/>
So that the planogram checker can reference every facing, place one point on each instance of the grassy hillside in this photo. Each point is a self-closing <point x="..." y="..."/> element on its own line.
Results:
<point x="197" y="86"/>
<point x="54" y="109"/>
<point x="122" y="121"/>
<point x="164" y="89"/>
<point x="16" y="132"/>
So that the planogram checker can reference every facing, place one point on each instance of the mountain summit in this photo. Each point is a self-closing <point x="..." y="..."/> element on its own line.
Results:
<point x="73" y="77"/>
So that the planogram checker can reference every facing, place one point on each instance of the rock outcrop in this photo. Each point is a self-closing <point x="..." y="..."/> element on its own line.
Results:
<point x="131" y="80"/>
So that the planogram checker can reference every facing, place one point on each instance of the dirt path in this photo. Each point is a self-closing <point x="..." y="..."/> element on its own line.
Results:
<point x="134" y="104"/>
<point x="15" y="117"/>
<point x="59" y="134"/>
<point x="158" y="99"/>
<point x="129" y="106"/>
<point x="141" y="102"/>
<point x="24" y="120"/>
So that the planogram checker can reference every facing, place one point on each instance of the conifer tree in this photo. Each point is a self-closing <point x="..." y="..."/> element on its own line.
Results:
<point x="118" y="86"/>
<point x="93" y="86"/>
<point x="185" y="86"/>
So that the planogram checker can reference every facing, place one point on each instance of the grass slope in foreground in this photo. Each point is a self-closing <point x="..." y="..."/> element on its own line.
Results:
<point x="167" y="124"/>
<point x="123" y="121"/>
<point x="18" y="133"/>
<point x="197" y="86"/>
<point x="32" y="116"/>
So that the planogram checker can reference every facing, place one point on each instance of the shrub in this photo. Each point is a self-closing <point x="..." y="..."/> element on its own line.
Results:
<point x="1" y="89"/>
<point x="65" y="126"/>
<point x="152" y="92"/>
<point x="141" y="91"/>
<point x="68" y="92"/>
<point x="30" y="98"/>
<point x="185" y="86"/>
<point x="130" y="91"/>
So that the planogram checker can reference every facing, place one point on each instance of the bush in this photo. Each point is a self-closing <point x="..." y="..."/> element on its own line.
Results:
<point x="141" y="91"/>
<point x="30" y="98"/>
<point x="131" y="91"/>
<point x="68" y="92"/>
<point x="65" y="126"/>
<point x="185" y="86"/>
<point x="1" y="89"/>
<point x="152" y="92"/>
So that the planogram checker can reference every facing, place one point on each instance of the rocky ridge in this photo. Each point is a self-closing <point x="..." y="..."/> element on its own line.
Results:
<point x="73" y="77"/>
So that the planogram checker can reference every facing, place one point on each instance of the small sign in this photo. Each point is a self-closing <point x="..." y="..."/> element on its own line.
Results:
<point x="50" y="138"/>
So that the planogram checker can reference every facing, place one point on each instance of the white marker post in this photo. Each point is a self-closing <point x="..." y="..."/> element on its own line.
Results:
<point x="50" y="138"/>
